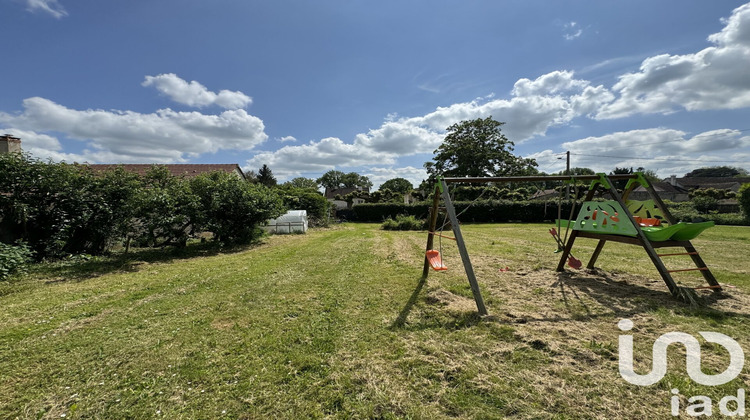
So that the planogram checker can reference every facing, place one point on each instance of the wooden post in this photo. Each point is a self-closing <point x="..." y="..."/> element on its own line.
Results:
<point x="644" y="241"/>
<point x="697" y="260"/>
<point x="462" y="249"/>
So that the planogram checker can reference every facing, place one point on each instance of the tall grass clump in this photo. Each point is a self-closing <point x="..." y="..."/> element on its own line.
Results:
<point x="403" y="222"/>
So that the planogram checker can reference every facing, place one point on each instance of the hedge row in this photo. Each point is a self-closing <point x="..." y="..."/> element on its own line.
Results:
<point x="486" y="211"/>
<point x="501" y="211"/>
<point x="60" y="209"/>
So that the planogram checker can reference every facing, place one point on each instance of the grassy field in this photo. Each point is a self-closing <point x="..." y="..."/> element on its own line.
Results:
<point x="337" y="323"/>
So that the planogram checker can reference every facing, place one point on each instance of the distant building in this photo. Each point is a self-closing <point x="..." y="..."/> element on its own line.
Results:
<point x="10" y="144"/>
<point x="331" y="194"/>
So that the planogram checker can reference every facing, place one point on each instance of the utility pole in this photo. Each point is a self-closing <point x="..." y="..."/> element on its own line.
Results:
<point x="567" y="172"/>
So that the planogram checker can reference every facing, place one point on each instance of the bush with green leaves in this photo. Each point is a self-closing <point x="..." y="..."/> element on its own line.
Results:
<point x="59" y="209"/>
<point x="168" y="211"/>
<point x="13" y="259"/>
<point x="308" y="199"/>
<point x="404" y="222"/>
<point x="233" y="209"/>
<point x="743" y="196"/>
<point x="705" y="204"/>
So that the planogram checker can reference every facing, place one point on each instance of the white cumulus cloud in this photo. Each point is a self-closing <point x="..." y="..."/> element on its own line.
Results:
<point x="551" y="99"/>
<point x="195" y="94"/>
<point x="127" y="136"/>
<point x="317" y="156"/>
<point x="713" y="78"/>
<point x="378" y="175"/>
<point x="666" y="151"/>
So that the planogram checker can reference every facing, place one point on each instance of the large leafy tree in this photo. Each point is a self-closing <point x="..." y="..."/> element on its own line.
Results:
<point x="716" y="172"/>
<point x="399" y="185"/>
<point x="744" y="198"/>
<point x="301" y="182"/>
<point x="333" y="180"/>
<point x="478" y="148"/>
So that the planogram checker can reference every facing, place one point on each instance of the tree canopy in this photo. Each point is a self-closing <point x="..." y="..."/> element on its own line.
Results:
<point x="301" y="182"/>
<point x="399" y="185"/>
<point x="333" y="180"/>
<point x="716" y="172"/>
<point x="478" y="148"/>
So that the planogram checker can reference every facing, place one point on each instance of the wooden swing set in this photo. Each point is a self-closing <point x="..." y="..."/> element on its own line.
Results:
<point x="618" y="220"/>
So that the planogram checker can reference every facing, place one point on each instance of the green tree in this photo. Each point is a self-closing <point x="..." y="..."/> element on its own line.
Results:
<point x="301" y="182"/>
<point x="265" y="176"/>
<point x="620" y="184"/>
<point x="398" y="185"/>
<point x="579" y="171"/>
<point x="333" y="180"/>
<point x="355" y="180"/>
<point x="233" y="209"/>
<point x="58" y="209"/>
<point x="478" y="148"/>
<point x="716" y="172"/>
<point x="169" y="211"/>
<point x="306" y="199"/>
<point x="743" y="196"/>
<point x="649" y="174"/>
<point x="384" y="195"/>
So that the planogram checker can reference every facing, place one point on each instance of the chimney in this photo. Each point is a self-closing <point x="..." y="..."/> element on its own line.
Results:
<point x="673" y="180"/>
<point x="9" y="144"/>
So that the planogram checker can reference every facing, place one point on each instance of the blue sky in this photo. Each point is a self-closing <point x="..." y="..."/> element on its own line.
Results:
<point x="306" y="87"/>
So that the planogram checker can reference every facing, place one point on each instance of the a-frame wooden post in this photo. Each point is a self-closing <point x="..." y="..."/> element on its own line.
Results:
<point x="442" y="189"/>
<point x="641" y="238"/>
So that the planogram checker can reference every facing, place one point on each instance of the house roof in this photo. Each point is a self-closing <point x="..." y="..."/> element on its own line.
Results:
<point x="664" y="187"/>
<point x="189" y="170"/>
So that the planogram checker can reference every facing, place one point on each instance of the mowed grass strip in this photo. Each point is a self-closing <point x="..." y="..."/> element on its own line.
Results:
<point x="336" y="323"/>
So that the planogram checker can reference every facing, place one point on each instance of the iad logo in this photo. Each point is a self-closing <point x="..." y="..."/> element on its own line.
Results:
<point x="702" y="404"/>
<point x="693" y="359"/>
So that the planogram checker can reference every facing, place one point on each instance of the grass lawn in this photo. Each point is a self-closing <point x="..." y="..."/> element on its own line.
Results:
<point x="336" y="323"/>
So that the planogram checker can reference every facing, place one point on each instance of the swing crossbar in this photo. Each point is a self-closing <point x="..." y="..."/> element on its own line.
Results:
<point x="536" y="178"/>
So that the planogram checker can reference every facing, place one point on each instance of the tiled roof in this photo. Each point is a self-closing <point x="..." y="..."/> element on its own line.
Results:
<point x="664" y="187"/>
<point x="187" y="170"/>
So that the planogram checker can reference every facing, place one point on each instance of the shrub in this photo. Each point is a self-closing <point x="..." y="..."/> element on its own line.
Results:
<point x="168" y="210"/>
<point x="312" y="201"/>
<point x="233" y="209"/>
<point x="705" y="204"/>
<point x="404" y="222"/>
<point x="13" y="259"/>
<point x="744" y="199"/>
